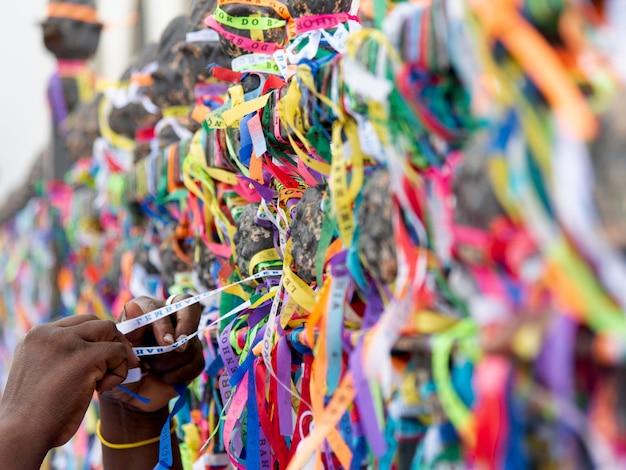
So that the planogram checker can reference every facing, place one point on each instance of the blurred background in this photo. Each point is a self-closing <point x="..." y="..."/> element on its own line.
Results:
<point x="27" y="66"/>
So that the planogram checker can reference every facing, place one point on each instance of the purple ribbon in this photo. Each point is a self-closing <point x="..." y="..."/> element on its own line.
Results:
<point x="556" y="361"/>
<point x="285" y="414"/>
<point x="265" y="192"/>
<point x="373" y="310"/>
<point x="365" y="404"/>
<point x="56" y="97"/>
<point x="265" y="452"/>
<point x="226" y="352"/>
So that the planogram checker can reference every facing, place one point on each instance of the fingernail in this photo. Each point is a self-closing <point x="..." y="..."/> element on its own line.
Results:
<point x="168" y="338"/>
<point x="184" y="346"/>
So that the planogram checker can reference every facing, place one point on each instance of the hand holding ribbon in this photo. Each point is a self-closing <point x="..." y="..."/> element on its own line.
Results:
<point x="161" y="372"/>
<point x="45" y="400"/>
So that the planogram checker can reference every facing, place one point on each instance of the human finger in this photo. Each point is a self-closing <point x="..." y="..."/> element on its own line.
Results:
<point x="187" y="321"/>
<point x="113" y="377"/>
<point x="133" y="310"/>
<point x="105" y="330"/>
<point x="162" y="329"/>
<point x="74" y="320"/>
<point x="109" y="362"/>
<point x="186" y="373"/>
<point x="98" y="330"/>
<point x="164" y="363"/>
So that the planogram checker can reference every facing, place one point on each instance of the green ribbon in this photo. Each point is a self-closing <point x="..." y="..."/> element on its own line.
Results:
<point x="247" y="22"/>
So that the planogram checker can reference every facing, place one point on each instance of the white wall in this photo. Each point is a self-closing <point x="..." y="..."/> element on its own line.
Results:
<point x="25" y="67"/>
<point x="160" y="12"/>
<point x="117" y="37"/>
<point x="24" y="70"/>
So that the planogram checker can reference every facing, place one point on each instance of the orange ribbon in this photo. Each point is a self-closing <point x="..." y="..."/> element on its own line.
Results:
<point x="541" y="63"/>
<point x="71" y="11"/>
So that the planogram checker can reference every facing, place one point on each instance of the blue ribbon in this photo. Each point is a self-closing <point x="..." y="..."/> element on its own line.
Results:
<point x="253" y="448"/>
<point x="359" y="454"/>
<point x="136" y="396"/>
<point x="213" y="368"/>
<point x="334" y="332"/>
<point x="245" y="147"/>
<point x="166" y="458"/>
<point x="240" y="373"/>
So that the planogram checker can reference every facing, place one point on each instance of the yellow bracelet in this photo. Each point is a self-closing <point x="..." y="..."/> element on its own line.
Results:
<point x="132" y="445"/>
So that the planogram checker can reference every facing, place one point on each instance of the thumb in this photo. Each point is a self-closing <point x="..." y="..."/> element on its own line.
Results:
<point x="162" y="330"/>
<point x="110" y="362"/>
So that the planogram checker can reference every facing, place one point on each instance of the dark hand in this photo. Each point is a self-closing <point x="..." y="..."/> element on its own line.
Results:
<point x="53" y="377"/>
<point x="162" y="371"/>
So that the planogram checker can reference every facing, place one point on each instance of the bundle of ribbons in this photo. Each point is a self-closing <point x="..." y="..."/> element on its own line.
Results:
<point x="402" y="219"/>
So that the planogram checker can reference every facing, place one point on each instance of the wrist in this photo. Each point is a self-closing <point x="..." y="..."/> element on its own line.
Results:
<point x="21" y="446"/>
<point x="122" y="424"/>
